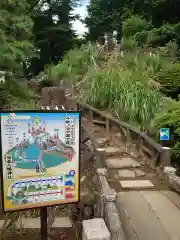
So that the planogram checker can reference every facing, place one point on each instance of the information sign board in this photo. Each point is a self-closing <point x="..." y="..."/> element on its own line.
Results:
<point x="40" y="158"/>
<point x="164" y="134"/>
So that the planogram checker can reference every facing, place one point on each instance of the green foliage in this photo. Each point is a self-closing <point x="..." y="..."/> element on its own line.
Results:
<point x="169" y="79"/>
<point x="14" y="94"/>
<point x="46" y="83"/>
<point x="74" y="65"/>
<point x="141" y="37"/>
<point x="118" y="91"/>
<point x="53" y="38"/>
<point x="172" y="48"/>
<point x="129" y="44"/>
<point x="147" y="66"/>
<point x="103" y="17"/>
<point x="15" y="36"/>
<point x="135" y="24"/>
<point x="161" y="36"/>
<point x="170" y="118"/>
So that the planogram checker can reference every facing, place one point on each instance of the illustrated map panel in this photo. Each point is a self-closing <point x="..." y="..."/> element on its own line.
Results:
<point x="40" y="159"/>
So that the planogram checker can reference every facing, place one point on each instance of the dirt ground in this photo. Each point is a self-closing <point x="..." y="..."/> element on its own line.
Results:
<point x="58" y="234"/>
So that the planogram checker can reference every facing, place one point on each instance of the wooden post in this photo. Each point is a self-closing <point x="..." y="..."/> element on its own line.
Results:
<point x="91" y="115"/>
<point x="100" y="158"/>
<point x="138" y="143"/>
<point x="43" y="218"/>
<point x="107" y="129"/>
<point x="165" y="156"/>
<point x="128" y="137"/>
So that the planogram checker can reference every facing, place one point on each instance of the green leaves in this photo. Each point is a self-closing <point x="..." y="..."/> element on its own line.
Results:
<point x="135" y="24"/>
<point x="169" y="79"/>
<point x="15" y="34"/>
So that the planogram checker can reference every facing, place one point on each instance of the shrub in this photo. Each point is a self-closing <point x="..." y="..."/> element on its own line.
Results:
<point x="170" y="80"/>
<point x="169" y="117"/>
<point x="14" y="92"/>
<point x="46" y="83"/>
<point x="134" y="24"/>
<point x="129" y="44"/>
<point x="74" y="65"/>
<point x="141" y="37"/>
<point x="172" y="49"/>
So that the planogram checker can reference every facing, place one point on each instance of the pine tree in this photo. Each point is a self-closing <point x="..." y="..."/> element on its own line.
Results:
<point x="15" y="35"/>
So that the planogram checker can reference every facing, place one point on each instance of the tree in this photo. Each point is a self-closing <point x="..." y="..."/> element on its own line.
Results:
<point x="53" y="32"/>
<point x="103" y="16"/>
<point x="157" y="11"/>
<point x="15" y="36"/>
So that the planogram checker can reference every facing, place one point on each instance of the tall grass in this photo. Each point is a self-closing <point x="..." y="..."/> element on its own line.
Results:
<point x="129" y="99"/>
<point x="126" y="85"/>
<point x="74" y="65"/>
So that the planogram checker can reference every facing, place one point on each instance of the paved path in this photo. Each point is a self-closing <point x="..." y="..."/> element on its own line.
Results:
<point x="147" y="208"/>
<point x="148" y="215"/>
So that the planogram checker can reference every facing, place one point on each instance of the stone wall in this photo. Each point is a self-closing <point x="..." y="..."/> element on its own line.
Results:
<point x="106" y="207"/>
<point x="172" y="178"/>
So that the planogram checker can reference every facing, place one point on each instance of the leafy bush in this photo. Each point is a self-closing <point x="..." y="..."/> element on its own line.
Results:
<point x="135" y="24"/>
<point x="170" y="118"/>
<point x="141" y="37"/>
<point x="129" y="44"/>
<point x="46" y="83"/>
<point x="169" y="79"/>
<point x="142" y="62"/>
<point x="12" y="93"/>
<point x="159" y="36"/>
<point x="172" y="49"/>
<point x="74" y="65"/>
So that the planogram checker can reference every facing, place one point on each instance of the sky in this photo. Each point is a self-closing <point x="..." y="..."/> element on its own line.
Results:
<point x="77" y="25"/>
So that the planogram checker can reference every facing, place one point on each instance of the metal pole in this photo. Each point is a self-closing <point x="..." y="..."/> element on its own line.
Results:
<point x="44" y="230"/>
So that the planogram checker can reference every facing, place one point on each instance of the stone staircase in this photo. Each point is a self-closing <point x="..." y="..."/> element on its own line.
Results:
<point x="125" y="170"/>
<point x="147" y="208"/>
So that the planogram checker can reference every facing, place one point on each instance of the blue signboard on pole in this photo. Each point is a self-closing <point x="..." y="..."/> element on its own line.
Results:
<point x="164" y="134"/>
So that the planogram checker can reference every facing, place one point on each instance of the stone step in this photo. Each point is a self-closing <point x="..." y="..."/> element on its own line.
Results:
<point x="34" y="223"/>
<point x="102" y="141"/>
<point x="126" y="173"/>
<point x="118" y="139"/>
<point x="114" y="151"/>
<point x="139" y="173"/>
<point x="121" y="162"/>
<point x="136" y="184"/>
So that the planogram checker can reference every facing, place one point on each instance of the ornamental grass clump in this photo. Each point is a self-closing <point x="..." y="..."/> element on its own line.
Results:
<point x="129" y="99"/>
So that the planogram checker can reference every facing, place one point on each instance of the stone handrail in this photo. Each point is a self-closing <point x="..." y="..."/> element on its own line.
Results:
<point x="143" y="142"/>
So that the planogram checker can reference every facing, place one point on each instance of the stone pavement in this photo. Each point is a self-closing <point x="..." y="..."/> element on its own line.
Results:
<point x="147" y="208"/>
<point x="148" y="215"/>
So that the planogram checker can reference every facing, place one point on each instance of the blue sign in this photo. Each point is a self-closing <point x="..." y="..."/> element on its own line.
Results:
<point x="164" y="134"/>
